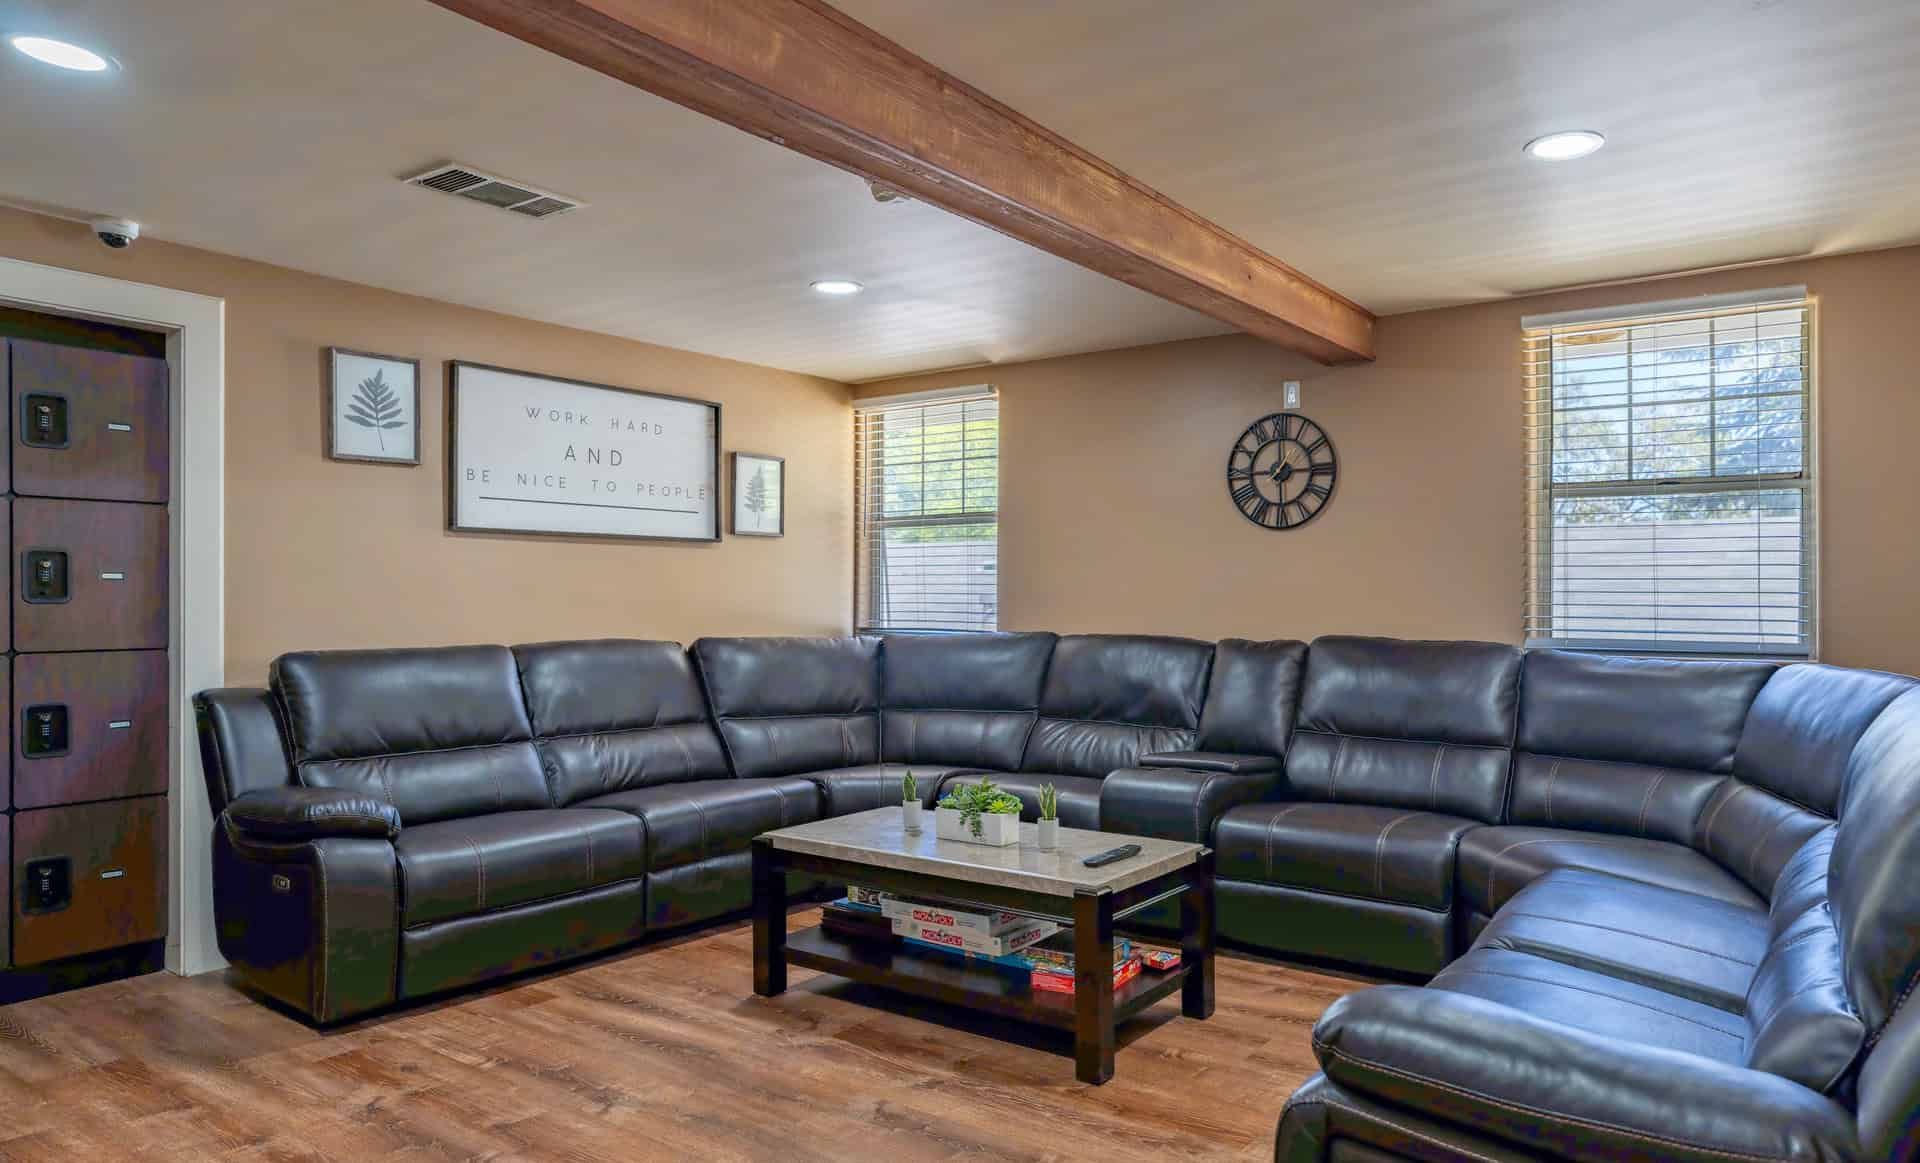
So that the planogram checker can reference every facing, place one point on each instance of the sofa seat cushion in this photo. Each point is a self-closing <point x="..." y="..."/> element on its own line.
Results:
<point x="1079" y="794"/>
<point x="844" y="790"/>
<point x="1598" y="1004"/>
<point x="1497" y="862"/>
<point x="685" y="822"/>
<point x="1384" y="854"/>
<point x="477" y="864"/>
<point x="1678" y="942"/>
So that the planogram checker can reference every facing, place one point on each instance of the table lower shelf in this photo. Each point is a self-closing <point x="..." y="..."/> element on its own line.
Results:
<point x="945" y="977"/>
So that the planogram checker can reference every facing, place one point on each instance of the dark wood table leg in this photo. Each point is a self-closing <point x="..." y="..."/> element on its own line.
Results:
<point x="1196" y="938"/>
<point x="1093" y="986"/>
<point x="769" y="921"/>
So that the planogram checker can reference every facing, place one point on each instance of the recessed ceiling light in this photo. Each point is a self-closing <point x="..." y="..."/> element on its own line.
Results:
<point x="837" y="287"/>
<point x="1564" y="147"/>
<point x="60" y="54"/>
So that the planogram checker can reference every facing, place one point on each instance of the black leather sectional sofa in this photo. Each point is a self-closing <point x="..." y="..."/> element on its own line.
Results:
<point x="1661" y="909"/>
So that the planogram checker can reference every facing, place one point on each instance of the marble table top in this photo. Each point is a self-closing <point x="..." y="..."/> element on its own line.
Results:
<point x="879" y="837"/>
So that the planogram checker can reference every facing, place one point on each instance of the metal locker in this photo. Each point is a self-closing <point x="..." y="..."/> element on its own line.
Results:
<point x="88" y="424"/>
<point x="89" y="575"/>
<point x="6" y="874"/>
<point x="88" y="877"/>
<point x="89" y="727"/>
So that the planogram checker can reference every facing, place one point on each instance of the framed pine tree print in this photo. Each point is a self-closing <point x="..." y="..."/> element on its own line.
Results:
<point x="759" y="491"/>
<point x="373" y="407"/>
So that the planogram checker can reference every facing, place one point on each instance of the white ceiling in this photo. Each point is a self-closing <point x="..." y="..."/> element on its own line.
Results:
<point x="277" y="130"/>
<point x="1374" y="144"/>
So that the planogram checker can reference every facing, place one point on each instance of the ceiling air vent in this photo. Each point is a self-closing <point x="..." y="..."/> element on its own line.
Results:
<point x="479" y="186"/>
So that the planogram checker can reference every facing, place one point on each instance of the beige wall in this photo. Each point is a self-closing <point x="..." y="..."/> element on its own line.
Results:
<point x="327" y="554"/>
<point x="1116" y="516"/>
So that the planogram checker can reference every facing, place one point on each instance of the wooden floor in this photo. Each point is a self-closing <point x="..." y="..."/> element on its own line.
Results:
<point x="657" y="1053"/>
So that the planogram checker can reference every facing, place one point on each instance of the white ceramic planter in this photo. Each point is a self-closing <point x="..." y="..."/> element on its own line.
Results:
<point x="1049" y="835"/>
<point x="998" y="831"/>
<point x="910" y="813"/>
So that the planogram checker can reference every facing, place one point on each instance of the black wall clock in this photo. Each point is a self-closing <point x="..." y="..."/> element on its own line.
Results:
<point x="1281" y="471"/>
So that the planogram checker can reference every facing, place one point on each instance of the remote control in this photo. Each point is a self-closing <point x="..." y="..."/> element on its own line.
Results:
<point x="1112" y="855"/>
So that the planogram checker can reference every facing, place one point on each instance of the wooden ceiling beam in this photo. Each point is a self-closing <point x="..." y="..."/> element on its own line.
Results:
<point x="803" y="75"/>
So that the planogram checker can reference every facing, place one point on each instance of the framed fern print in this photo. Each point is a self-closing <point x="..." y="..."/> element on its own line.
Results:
<point x="373" y="407"/>
<point x="759" y="490"/>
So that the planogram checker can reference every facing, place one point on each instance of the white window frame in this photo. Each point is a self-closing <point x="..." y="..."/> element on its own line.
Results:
<point x="869" y="570"/>
<point x="1537" y="630"/>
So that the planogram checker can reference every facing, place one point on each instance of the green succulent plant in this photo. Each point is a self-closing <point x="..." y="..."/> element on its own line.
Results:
<point x="975" y="801"/>
<point x="1049" y="802"/>
<point x="909" y="790"/>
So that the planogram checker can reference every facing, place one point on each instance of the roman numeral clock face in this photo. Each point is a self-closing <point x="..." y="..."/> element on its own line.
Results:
<point x="1281" y="471"/>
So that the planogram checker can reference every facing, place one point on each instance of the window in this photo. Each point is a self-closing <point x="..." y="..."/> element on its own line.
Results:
<point x="927" y="511"/>
<point x="1670" y="478"/>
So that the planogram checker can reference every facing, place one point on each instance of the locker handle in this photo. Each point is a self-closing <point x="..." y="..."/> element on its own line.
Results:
<point x="112" y="873"/>
<point x="119" y="724"/>
<point x="114" y="576"/>
<point x="113" y="426"/>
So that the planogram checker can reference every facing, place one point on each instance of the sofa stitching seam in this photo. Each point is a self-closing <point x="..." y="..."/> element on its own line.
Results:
<point x="1333" y="771"/>
<point x="326" y="943"/>
<point x="1642" y="936"/>
<point x="1646" y="801"/>
<point x="1379" y="851"/>
<point x="1199" y="800"/>
<point x="1553" y="773"/>
<point x="1892" y="1013"/>
<point x="1452" y="971"/>
<point x="1493" y="866"/>
<point x="1753" y="854"/>
<point x="1433" y="778"/>
<point x="1519" y="1108"/>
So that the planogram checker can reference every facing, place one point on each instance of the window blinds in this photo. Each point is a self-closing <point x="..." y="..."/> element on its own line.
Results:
<point x="927" y="511"/>
<point x="1670" y="478"/>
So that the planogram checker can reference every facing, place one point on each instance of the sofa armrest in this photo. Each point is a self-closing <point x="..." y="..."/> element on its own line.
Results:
<point x="1176" y="803"/>
<point x="292" y="814"/>
<point x="1575" y="1095"/>
<point x="1226" y="762"/>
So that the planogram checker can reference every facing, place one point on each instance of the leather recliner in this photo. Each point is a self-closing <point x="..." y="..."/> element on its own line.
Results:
<point x="1626" y="1011"/>
<point x="1529" y="829"/>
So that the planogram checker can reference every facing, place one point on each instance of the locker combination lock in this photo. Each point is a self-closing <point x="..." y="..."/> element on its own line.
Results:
<point x="43" y="576"/>
<point x="48" y="887"/>
<point x="43" y="420"/>
<point x="43" y="730"/>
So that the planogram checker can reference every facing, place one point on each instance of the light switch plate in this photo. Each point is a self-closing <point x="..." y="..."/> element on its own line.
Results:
<point x="1290" y="394"/>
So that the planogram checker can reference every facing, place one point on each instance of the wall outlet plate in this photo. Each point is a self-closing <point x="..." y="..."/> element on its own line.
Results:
<point x="1290" y="394"/>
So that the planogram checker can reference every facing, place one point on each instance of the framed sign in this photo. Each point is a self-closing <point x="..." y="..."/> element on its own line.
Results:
<point x="373" y="407"/>
<point x="759" y="492"/>
<point x="535" y="454"/>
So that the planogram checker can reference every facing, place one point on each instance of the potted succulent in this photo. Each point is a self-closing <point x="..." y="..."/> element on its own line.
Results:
<point x="1049" y="818"/>
<point x="910" y="803"/>
<point x="978" y="813"/>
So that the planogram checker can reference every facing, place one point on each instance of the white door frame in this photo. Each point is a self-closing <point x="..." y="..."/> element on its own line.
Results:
<point x="195" y="326"/>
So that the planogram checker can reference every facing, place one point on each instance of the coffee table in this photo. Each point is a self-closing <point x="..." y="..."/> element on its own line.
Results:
<point x="874" y="849"/>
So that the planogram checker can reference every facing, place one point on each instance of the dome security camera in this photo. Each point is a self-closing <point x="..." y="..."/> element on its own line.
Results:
<point x="115" y="233"/>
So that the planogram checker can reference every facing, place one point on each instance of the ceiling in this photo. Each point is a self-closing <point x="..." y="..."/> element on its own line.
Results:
<point x="1373" y="144"/>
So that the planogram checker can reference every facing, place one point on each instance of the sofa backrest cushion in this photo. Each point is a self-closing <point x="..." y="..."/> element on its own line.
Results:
<point x="1425" y="725"/>
<point x="1790" y="766"/>
<point x="790" y="705"/>
<point x="1801" y="1024"/>
<point x="438" y="733"/>
<point x="1871" y="882"/>
<point x="960" y="700"/>
<point x="1252" y="697"/>
<point x="617" y="714"/>
<point x="1626" y="745"/>
<point x="1111" y="698"/>
<point x="243" y="747"/>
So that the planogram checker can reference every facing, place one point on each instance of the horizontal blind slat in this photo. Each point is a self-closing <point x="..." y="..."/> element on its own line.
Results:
<point x="927" y="500"/>
<point x="1668" y="478"/>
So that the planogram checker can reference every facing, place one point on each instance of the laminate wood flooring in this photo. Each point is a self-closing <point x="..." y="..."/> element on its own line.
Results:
<point x="660" y="1052"/>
